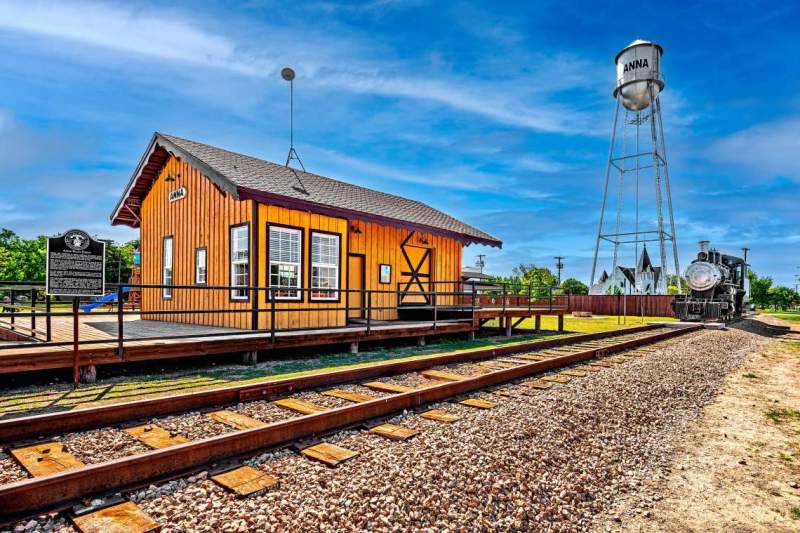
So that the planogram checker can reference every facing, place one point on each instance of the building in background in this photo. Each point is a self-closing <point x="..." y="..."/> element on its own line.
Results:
<point x="644" y="279"/>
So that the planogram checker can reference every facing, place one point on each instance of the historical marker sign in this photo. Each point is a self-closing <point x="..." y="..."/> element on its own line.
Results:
<point x="76" y="265"/>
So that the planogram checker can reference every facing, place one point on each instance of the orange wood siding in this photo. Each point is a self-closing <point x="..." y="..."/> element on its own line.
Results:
<point x="201" y="219"/>
<point x="381" y="245"/>
<point x="317" y="316"/>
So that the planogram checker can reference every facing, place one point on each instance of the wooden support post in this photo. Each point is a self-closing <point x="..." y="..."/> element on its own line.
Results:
<point x="472" y="334"/>
<point x="250" y="358"/>
<point x="538" y="323"/>
<point x="560" y="323"/>
<point x="421" y="340"/>
<point x="353" y="347"/>
<point x="508" y="326"/>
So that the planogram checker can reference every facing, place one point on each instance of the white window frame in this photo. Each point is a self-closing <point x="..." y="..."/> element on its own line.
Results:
<point x="313" y="282"/>
<point x="167" y="269"/>
<point x="286" y="291"/>
<point x="201" y="275"/>
<point x="236" y="260"/>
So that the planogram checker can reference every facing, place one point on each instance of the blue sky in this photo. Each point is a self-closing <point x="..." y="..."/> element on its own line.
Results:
<point x="498" y="114"/>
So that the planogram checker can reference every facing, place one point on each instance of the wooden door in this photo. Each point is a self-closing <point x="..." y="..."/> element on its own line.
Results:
<point x="355" y="282"/>
<point x="415" y="274"/>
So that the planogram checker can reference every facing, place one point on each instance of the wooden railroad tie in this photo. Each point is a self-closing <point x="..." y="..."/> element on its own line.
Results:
<point x="443" y="376"/>
<point x="497" y="364"/>
<point x="380" y="386"/>
<point x="349" y="396"/>
<point x="246" y="481"/>
<point x="440" y="416"/>
<point x="589" y="368"/>
<point x="330" y="454"/>
<point x="538" y="384"/>
<point x="531" y="357"/>
<point x="602" y="364"/>
<point x="125" y="517"/>
<point x="394" y="432"/>
<point x="300" y="406"/>
<point x="235" y="420"/>
<point x="478" y="403"/>
<point x="156" y="437"/>
<point x="44" y="459"/>
<point x="557" y="379"/>
<point x="574" y="373"/>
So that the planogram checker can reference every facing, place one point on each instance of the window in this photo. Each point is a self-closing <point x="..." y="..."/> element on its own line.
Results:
<point x="200" y="266"/>
<point x="240" y="261"/>
<point x="285" y="257"/>
<point x="166" y="273"/>
<point x="324" y="266"/>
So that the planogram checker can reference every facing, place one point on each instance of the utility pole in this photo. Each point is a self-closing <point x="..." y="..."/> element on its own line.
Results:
<point x="559" y="266"/>
<point x="480" y="263"/>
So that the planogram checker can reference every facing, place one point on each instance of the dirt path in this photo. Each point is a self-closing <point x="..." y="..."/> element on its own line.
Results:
<point x="738" y="468"/>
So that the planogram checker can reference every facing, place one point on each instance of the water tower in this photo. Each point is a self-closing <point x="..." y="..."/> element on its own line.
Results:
<point x="637" y="173"/>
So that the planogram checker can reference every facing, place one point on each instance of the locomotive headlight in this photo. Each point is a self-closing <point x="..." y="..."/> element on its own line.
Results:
<point x="701" y="276"/>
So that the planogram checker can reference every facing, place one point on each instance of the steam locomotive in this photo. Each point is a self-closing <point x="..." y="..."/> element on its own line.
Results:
<point x="717" y="287"/>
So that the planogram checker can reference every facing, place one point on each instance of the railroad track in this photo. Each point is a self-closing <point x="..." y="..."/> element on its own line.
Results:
<point x="313" y="406"/>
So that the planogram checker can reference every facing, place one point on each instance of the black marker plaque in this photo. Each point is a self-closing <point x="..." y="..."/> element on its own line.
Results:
<point x="75" y="265"/>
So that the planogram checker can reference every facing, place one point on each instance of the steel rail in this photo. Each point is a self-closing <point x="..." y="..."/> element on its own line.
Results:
<point x="16" y="429"/>
<point x="46" y="492"/>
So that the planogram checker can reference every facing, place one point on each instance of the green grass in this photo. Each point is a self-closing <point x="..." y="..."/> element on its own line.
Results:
<point x="594" y="324"/>
<point x="780" y="416"/>
<point x="790" y="316"/>
<point x="794" y="512"/>
<point x="749" y="376"/>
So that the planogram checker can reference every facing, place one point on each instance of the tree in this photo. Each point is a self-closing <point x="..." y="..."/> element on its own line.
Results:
<point x="21" y="259"/>
<point x="759" y="289"/>
<point x="783" y="297"/>
<point x="119" y="261"/>
<point x="539" y="279"/>
<point x="672" y="284"/>
<point x="573" y="286"/>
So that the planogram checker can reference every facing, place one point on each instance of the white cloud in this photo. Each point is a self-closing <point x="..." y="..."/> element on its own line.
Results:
<point x="341" y="63"/>
<point x="769" y="149"/>
<point x="156" y="34"/>
<point x="538" y="163"/>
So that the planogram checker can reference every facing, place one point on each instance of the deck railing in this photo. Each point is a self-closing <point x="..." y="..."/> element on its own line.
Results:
<point x="28" y="312"/>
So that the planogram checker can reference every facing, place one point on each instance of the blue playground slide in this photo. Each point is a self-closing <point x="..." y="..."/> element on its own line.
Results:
<point x="110" y="297"/>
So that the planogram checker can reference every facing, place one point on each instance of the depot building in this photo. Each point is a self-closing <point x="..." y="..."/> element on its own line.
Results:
<point x="221" y="222"/>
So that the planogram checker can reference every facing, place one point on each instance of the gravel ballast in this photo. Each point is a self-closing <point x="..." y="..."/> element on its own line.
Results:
<point x="553" y="460"/>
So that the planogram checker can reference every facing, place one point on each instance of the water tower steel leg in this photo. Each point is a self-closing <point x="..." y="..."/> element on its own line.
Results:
<point x="669" y="197"/>
<point x="659" y="199"/>
<point x="605" y="191"/>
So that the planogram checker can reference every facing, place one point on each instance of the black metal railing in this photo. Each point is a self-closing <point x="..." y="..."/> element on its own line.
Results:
<point x="258" y="303"/>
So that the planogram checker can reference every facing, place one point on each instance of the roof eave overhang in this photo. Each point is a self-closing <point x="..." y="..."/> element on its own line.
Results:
<point x="246" y="193"/>
<point x="157" y="142"/>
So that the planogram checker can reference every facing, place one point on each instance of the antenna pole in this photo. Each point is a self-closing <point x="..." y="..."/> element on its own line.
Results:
<point x="288" y="75"/>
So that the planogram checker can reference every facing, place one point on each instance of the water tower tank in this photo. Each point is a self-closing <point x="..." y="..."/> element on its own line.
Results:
<point x="639" y="74"/>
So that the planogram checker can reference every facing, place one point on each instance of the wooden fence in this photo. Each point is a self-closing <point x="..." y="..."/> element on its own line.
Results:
<point x="649" y="305"/>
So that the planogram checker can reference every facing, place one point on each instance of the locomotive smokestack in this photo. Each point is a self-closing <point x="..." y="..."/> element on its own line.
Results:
<point x="704" y="246"/>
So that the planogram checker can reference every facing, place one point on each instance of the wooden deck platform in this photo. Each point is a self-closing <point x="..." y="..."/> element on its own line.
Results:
<point x="195" y="340"/>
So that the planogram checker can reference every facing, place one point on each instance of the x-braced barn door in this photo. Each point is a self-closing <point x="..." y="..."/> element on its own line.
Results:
<point x="415" y="274"/>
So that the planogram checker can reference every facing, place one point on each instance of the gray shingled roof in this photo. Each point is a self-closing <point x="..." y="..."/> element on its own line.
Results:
<point x="246" y="176"/>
